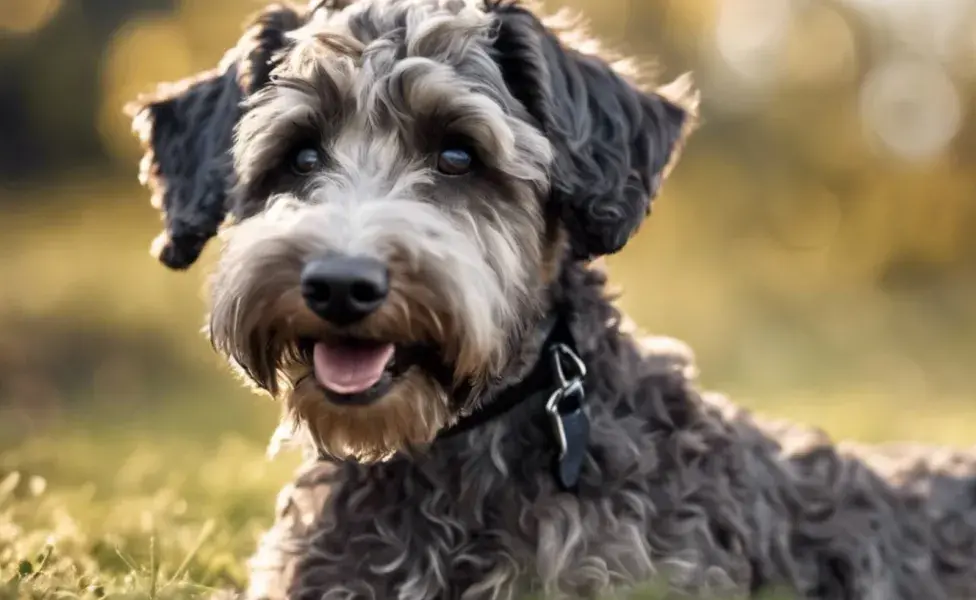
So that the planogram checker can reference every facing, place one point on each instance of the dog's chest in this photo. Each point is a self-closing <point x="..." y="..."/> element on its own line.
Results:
<point x="438" y="545"/>
<point x="408" y="537"/>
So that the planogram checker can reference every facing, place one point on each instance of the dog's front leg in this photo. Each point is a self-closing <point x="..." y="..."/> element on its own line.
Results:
<point x="273" y="567"/>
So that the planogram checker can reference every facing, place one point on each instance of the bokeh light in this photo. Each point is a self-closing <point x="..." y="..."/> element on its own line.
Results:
<point x="21" y="17"/>
<point x="145" y="51"/>
<point x="912" y="107"/>
<point x="750" y="35"/>
<point x="937" y="28"/>
<point x="820" y="27"/>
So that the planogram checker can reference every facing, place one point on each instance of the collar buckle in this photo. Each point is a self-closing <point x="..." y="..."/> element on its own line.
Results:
<point x="567" y="412"/>
<point x="565" y="405"/>
<point x="568" y="398"/>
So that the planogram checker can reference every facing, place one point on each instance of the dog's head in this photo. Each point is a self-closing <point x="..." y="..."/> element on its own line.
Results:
<point x="402" y="180"/>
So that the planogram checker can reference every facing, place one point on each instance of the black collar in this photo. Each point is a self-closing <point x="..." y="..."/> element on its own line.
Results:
<point x="555" y="384"/>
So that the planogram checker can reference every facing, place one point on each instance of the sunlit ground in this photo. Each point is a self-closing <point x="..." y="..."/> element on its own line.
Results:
<point x="132" y="462"/>
<point x="155" y="505"/>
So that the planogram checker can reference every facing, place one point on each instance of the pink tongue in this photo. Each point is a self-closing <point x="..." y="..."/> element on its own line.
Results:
<point x="347" y="369"/>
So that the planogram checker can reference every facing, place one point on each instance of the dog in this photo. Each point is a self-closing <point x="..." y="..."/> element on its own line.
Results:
<point x="414" y="197"/>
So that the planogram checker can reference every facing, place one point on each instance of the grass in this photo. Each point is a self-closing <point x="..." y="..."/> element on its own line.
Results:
<point x="151" y="506"/>
<point x="110" y="502"/>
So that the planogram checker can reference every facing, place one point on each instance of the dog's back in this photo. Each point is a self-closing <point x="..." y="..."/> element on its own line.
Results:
<point x="895" y="521"/>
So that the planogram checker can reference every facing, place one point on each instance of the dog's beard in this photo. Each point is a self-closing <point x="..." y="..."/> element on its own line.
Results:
<point x="379" y="387"/>
<point x="362" y="392"/>
<point x="408" y="415"/>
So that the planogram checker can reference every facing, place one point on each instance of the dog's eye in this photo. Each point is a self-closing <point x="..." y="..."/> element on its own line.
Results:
<point x="454" y="161"/>
<point x="306" y="160"/>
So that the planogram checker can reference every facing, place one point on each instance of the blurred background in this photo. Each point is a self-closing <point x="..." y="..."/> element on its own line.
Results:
<point x="816" y="246"/>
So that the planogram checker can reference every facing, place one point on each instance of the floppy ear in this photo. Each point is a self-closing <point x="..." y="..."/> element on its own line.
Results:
<point x="187" y="129"/>
<point x="613" y="143"/>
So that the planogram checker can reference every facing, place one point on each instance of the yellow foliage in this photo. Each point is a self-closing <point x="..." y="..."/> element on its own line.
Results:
<point x="26" y="16"/>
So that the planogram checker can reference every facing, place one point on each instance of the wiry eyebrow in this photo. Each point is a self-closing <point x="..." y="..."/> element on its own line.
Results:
<point x="419" y="92"/>
<point x="309" y="96"/>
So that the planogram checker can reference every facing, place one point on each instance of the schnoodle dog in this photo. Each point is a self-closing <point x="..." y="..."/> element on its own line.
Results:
<point x="413" y="197"/>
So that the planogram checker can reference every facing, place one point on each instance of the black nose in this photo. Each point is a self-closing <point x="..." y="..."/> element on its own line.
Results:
<point x="344" y="289"/>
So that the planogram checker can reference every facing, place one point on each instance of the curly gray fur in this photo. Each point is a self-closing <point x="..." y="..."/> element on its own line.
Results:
<point x="678" y="484"/>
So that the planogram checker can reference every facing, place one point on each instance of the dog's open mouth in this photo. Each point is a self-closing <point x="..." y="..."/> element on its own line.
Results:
<point x="356" y="371"/>
<point x="351" y="368"/>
